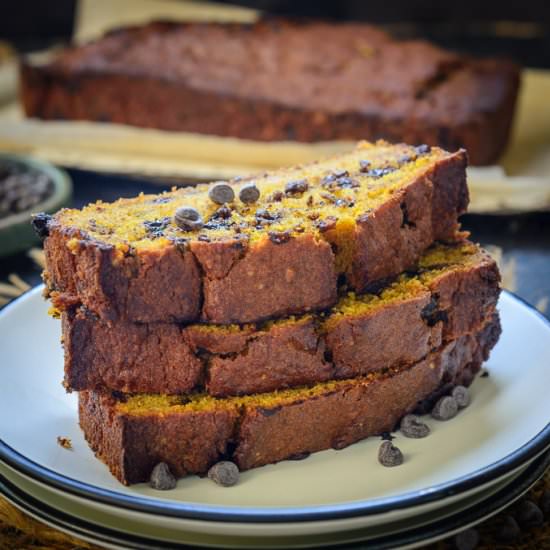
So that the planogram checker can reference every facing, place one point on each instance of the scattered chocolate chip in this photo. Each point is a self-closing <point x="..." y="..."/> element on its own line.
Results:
<point x="508" y="530"/>
<point x="224" y="473"/>
<point x="387" y="436"/>
<point x="279" y="237"/>
<point x="445" y="408"/>
<point x="162" y="478"/>
<point x="203" y="238"/>
<point x="461" y="396"/>
<point x="340" y="173"/>
<point x="249" y="193"/>
<point x="431" y="314"/>
<point x="278" y="196"/>
<point x="221" y="192"/>
<point x="412" y="427"/>
<point x="40" y="223"/>
<point x="544" y="502"/>
<point x="529" y="514"/>
<point x="364" y="165"/>
<point x="180" y="243"/>
<point x="422" y="149"/>
<point x="162" y="200"/>
<point x="485" y="374"/>
<point x="467" y="540"/>
<point x="310" y="201"/>
<point x="389" y="455"/>
<point x="188" y="218"/>
<point x="296" y="187"/>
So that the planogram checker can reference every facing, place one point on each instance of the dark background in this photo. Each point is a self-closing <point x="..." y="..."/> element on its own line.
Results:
<point x="518" y="30"/>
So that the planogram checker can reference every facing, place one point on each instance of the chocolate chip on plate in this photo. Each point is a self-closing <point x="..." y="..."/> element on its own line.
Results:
<point x="467" y="540"/>
<point x="249" y="193"/>
<point x="162" y="478"/>
<point x="445" y="409"/>
<point x="412" y="427"/>
<point x="224" y="473"/>
<point x="529" y="514"/>
<point x="389" y="455"/>
<point x="462" y="396"/>
<point x="188" y="218"/>
<point x="40" y="224"/>
<point x="508" y="530"/>
<point x="221" y="192"/>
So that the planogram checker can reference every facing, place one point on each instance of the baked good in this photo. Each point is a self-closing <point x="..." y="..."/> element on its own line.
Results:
<point x="132" y="434"/>
<point x="452" y="292"/>
<point x="280" y="80"/>
<point x="361" y="217"/>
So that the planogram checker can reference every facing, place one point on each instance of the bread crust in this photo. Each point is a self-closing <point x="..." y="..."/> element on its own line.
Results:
<point x="234" y="281"/>
<point x="252" y="435"/>
<point x="167" y="358"/>
<point x="422" y="94"/>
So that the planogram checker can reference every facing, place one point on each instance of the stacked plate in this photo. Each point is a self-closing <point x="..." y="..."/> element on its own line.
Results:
<point x="468" y="468"/>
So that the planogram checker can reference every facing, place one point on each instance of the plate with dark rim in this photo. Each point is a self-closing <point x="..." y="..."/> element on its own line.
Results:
<point x="101" y="528"/>
<point x="506" y="426"/>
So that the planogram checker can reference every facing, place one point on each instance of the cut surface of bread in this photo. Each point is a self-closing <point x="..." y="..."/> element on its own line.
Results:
<point x="365" y="216"/>
<point x="133" y="433"/>
<point x="450" y="293"/>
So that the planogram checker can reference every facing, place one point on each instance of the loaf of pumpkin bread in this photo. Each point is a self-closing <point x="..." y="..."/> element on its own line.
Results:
<point x="133" y="433"/>
<point x="280" y="80"/>
<point x="451" y="293"/>
<point x="357" y="219"/>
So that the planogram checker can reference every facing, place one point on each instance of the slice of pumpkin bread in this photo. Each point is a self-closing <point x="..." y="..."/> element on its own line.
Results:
<point x="363" y="216"/>
<point x="451" y="292"/>
<point x="133" y="433"/>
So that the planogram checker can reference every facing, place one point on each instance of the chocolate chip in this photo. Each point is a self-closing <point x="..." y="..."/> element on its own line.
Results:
<point x="380" y="172"/>
<point x="340" y="173"/>
<point x="544" y="502"/>
<point x="299" y="456"/>
<point x="296" y="187"/>
<point x="431" y="314"/>
<point x="485" y="374"/>
<point x="278" y="196"/>
<point x="188" y="218"/>
<point x="387" y="436"/>
<point x="445" y="408"/>
<point x="412" y="427"/>
<point x="508" y="530"/>
<point x="389" y="455"/>
<point x="162" y="478"/>
<point x="467" y="540"/>
<point x="326" y="224"/>
<point x="347" y="183"/>
<point x="221" y="192"/>
<point x="249" y="193"/>
<point x="224" y="473"/>
<point x="364" y="165"/>
<point x="223" y="213"/>
<point x="264" y="214"/>
<point x="40" y="223"/>
<point x="162" y="200"/>
<point x="461" y="396"/>
<point x="529" y="514"/>
<point x="279" y="237"/>
<point x="310" y="201"/>
<point x="422" y="149"/>
<point x="155" y="228"/>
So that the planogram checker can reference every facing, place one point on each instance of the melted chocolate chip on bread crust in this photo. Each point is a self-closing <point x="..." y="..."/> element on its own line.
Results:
<point x="399" y="326"/>
<point x="132" y="434"/>
<point x="366" y="85"/>
<point x="373" y="225"/>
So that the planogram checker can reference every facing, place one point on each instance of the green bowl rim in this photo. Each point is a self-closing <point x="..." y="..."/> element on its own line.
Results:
<point x="62" y="188"/>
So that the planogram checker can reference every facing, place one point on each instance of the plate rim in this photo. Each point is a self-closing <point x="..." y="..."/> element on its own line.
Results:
<point x="444" y="527"/>
<point x="242" y="514"/>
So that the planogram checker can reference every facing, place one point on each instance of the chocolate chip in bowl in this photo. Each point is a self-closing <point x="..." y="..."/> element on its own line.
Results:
<point x="27" y="186"/>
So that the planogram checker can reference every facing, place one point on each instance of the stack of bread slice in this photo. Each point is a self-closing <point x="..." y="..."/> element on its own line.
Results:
<point x="313" y="312"/>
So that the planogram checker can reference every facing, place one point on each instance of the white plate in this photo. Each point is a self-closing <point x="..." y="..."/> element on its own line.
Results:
<point x="506" y="425"/>
<point x="100" y="527"/>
